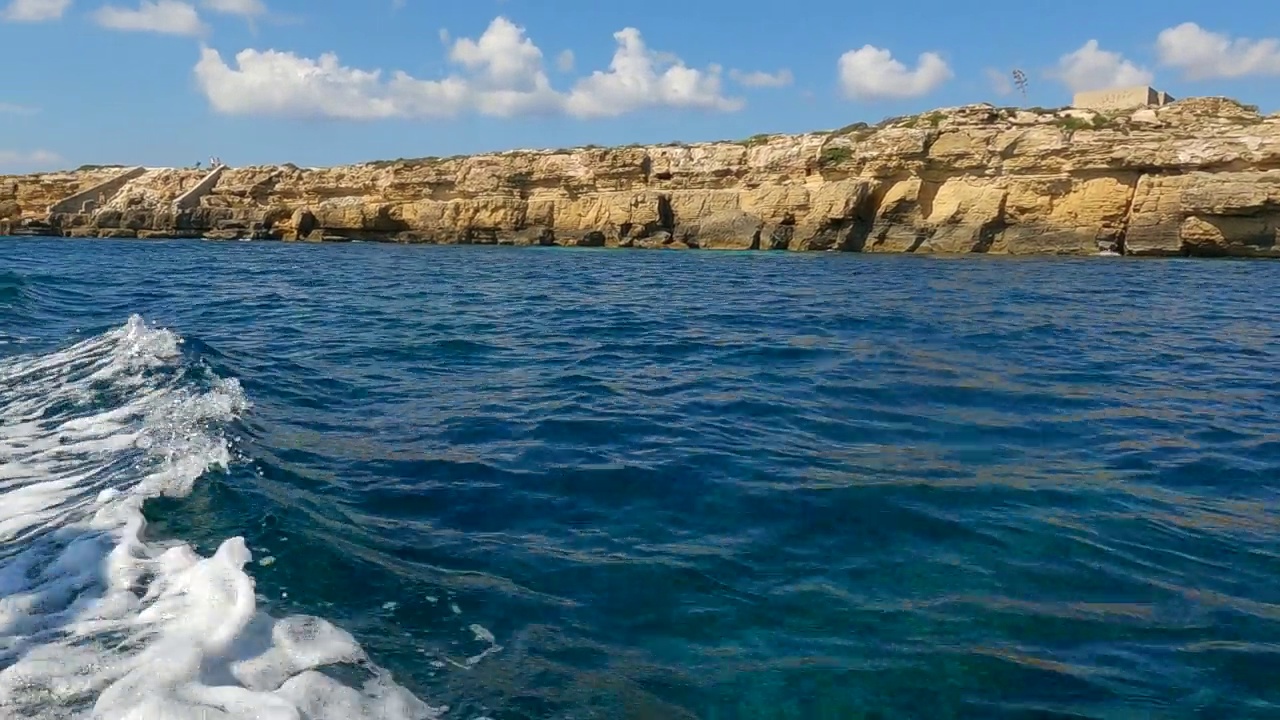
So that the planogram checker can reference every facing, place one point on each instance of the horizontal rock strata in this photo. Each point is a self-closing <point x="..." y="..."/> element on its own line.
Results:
<point x="1196" y="177"/>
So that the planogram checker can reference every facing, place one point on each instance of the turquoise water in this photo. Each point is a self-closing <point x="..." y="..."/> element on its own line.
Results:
<point x="544" y="483"/>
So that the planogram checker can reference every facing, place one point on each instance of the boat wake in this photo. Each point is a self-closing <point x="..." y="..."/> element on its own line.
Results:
<point x="98" y="621"/>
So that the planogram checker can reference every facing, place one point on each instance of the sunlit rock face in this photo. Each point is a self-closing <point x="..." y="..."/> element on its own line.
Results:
<point x="1198" y="176"/>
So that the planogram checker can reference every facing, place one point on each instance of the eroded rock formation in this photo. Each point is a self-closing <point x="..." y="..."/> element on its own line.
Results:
<point x="1199" y="176"/>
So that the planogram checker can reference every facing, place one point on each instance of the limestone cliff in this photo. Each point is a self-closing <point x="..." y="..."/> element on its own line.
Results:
<point x="1200" y="176"/>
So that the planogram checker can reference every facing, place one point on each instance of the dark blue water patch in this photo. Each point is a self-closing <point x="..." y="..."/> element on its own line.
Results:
<point x="734" y="486"/>
<point x="13" y="289"/>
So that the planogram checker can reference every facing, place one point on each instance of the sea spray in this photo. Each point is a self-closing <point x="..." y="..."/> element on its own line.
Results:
<point x="98" y="621"/>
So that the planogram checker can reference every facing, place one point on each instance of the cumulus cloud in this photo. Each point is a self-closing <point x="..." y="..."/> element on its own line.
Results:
<point x="1092" y="68"/>
<point x="503" y="55"/>
<point x="760" y="79"/>
<point x="244" y="8"/>
<point x="506" y="73"/>
<point x="1001" y="82"/>
<point x="565" y="61"/>
<point x="502" y="74"/>
<point x="278" y="83"/>
<point x="1203" y="55"/>
<point x="26" y="160"/>
<point x="170" y="17"/>
<point x="34" y="10"/>
<point x="871" y="73"/>
<point x="638" y="78"/>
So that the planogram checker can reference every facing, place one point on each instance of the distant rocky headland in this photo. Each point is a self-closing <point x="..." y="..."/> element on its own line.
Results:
<point x="1194" y="177"/>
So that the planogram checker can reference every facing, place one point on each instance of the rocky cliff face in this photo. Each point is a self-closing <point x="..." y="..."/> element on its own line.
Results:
<point x="1200" y="176"/>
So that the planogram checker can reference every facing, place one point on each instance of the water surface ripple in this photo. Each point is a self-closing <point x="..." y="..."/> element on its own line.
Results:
<point x="733" y="485"/>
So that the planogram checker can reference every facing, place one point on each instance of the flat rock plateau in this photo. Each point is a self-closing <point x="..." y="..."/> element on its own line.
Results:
<point x="1196" y="177"/>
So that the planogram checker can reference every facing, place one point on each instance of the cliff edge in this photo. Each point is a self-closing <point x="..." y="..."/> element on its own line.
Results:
<point x="1195" y="177"/>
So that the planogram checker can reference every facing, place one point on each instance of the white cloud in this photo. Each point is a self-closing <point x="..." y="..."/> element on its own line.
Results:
<point x="638" y="78"/>
<point x="35" y="10"/>
<point x="245" y="8"/>
<point x="760" y="79"/>
<point x="565" y="61"/>
<point x="507" y="76"/>
<point x="1092" y="68"/>
<point x="1202" y="54"/>
<point x="1000" y="81"/>
<point x="503" y="55"/>
<point x="161" y="16"/>
<point x="503" y="75"/>
<point x="15" y="109"/>
<point x="278" y="83"/>
<point x="870" y="73"/>
<point x="19" y="161"/>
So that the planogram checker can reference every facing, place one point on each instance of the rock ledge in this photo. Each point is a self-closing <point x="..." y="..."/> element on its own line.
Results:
<point x="1195" y="177"/>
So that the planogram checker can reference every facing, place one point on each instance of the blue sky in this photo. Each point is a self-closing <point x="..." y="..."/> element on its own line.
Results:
<point x="168" y="82"/>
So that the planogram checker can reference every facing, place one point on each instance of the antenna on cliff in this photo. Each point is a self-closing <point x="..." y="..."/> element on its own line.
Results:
<point x="1020" y="80"/>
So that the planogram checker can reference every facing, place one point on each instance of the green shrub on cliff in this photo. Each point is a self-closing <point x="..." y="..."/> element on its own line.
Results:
<point x="1071" y="123"/>
<point x="933" y="119"/>
<point x="858" y="131"/>
<point x="853" y="128"/>
<point x="1253" y="115"/>
<point x="403" y="161"/>
<point x="834" y="156"/>
<point x="1099" y="121"/>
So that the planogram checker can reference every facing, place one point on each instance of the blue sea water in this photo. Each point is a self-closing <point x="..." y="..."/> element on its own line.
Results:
<point x="387" y="481"/>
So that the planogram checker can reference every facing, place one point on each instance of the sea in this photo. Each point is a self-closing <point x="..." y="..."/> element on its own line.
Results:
<point x="358" y="481"/>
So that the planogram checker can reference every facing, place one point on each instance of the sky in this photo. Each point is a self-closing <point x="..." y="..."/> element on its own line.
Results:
<point x="324" y="82"/>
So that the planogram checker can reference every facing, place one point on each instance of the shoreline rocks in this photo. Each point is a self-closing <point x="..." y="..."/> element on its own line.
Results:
<point x="1195" y="177"/>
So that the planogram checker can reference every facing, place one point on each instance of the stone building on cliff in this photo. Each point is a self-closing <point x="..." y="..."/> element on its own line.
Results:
<point x="1127" y="98"/>
<point x="1200" y="176"/>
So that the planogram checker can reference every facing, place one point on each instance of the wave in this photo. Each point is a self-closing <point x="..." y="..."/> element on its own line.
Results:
<point x="99" y="621"/>
<point x="13" y="288"/>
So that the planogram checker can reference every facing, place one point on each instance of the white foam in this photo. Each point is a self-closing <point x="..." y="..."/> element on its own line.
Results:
<point x="97" y="622"/>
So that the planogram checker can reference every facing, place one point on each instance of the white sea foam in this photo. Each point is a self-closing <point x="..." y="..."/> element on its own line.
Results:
<point x="98" y="622"/>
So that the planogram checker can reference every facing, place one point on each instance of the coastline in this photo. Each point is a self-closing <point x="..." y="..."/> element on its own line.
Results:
<point x="1197" y="177"/>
